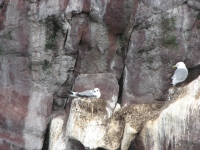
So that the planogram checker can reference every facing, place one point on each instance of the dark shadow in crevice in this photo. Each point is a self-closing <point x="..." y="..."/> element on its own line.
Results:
<point x="46" y="139"/>
<point x="120" y="83"/>
<point x="137" y="143"/>
<point x="193" y="73"/>
<point x="65" y="38"/>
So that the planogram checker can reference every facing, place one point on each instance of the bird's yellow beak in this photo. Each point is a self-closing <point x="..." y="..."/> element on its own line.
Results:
<point x="174" y="66"/>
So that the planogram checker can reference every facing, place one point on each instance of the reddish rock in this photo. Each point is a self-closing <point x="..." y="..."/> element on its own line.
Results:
<point x="94" y="46"/>
<point x="114" y="17"/>
<point x="118" y="14"/>
<point x="18" y="105"/>
<point x="14" y="95"/>
<point x="98" y="35"/>
<point x="8" y="146"/>
<point x="86" y="6"/>
<point x="21" y="35"/>
<point x="63" y="4"/>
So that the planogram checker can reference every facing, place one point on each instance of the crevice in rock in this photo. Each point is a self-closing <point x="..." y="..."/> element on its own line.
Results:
<point x="137" y="143"/>
<point x="62" y="92"/>
<point x="46" y="139"/>
<point x="65" y="38"/>
<point x="76" y="69"/>
<point x="120" y="83"/>
<point x="123" y="53"/>
<point x="77" y="66"/>
<point x="2" y="5"/>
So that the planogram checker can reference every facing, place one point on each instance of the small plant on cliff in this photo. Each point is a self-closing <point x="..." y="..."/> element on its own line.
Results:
<point x="52" y="28"/>
<point x="170" y="40"/>
<point x="168" y="26"/>
<point x="46" y="65"/>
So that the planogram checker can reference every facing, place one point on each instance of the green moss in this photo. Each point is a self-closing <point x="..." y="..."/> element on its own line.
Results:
<point x="52" y="28"/>
<point x="168" y="26"/>
<point x="170" y="40"/>
<point x="46" y="65"/>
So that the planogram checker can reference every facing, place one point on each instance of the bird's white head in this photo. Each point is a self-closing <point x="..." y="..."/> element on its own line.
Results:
<point x="180" y="65"/>
<point x="97" y="92"/>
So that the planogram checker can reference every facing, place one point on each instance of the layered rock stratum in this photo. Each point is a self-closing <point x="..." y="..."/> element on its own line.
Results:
<point x="126" y="48"/>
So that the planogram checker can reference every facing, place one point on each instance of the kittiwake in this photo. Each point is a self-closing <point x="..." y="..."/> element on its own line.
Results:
<point x="180" y="74"/>
<point x="89" y="93"/>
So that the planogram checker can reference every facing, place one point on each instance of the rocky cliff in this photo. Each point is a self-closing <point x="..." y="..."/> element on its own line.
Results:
<point x="126" y="48"/>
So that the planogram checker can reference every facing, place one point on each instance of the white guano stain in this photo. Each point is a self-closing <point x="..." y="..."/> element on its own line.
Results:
<point x="174" y="122"/>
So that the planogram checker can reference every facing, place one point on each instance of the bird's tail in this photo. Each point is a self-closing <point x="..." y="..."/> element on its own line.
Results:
<point x="72" y="94"/>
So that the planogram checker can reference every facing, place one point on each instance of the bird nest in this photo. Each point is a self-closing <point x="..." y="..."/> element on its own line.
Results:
<point x="91" y="106"/>
<point x="138" y="114"/>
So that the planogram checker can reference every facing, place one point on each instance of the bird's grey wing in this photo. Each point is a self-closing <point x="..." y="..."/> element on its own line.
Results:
<point x="88" y="93"/>
<point x="180" y="74"/>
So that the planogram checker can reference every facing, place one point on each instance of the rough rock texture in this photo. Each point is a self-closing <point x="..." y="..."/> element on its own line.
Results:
<point x="159" y="40"/>
<point x="46" y="44"/>
<point x="88" y="123"/>
<point x="30" y="74"/>
<point x="57" y="136"/>
<point x="177" y="127"/>
<point x="135" y="117"/>
<point x="106" y="82"/>
<point x="97" y="39"/>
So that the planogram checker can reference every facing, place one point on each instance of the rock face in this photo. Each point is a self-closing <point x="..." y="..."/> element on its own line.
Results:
<point x="177" y="127"/>
<point x="135" y="117"/>
<point x="159" y="41"/>
<point x="88" y="123"/>
<point x="94" y="129"/>
<point x="29" y="75"/>
<point x="106" y="82"/>
<point x="126" y="47"/>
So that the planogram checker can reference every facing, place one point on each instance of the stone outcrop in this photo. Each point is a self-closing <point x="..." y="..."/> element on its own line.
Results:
<point x="88" y="123"/>
<point x="30" y="74"/>
<point x="177" y="126"/>
<point x="128" y="47"/>
<point x="159" y="41"/>
<point x="135" y="117"/>
<point x="106" y="82"/>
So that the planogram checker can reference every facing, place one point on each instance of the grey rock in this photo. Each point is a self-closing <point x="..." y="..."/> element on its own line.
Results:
<point x="178" y="124"/>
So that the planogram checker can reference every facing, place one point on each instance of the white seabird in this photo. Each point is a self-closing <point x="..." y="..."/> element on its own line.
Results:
<point x="180" y="74"/>
<point x="89" y="93"/>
